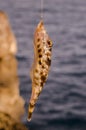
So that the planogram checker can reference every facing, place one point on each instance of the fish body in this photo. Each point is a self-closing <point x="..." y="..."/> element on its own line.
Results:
<point x="41" y="65"/>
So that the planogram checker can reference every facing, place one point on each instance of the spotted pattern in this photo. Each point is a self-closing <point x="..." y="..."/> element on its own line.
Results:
<point x="41" y="65"/>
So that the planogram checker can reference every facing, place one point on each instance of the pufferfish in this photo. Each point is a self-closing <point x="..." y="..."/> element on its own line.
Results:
<point x="41" y="65"/>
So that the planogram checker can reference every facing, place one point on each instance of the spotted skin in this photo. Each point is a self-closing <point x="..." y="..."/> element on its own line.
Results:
<point x="41" y="65"/>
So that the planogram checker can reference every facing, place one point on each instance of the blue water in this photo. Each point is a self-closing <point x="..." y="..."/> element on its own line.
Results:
<point x="62" y="104"/>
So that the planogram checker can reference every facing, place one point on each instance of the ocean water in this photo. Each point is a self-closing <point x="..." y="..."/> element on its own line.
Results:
<point x="62" y="103"/>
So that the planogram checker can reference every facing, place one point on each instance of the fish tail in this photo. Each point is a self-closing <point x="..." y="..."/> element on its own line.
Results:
<point x="32" y="105"/>
<point x="30" y="111"/>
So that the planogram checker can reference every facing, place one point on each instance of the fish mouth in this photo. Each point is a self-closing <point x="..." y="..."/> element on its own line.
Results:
<point x="40" y="26"/>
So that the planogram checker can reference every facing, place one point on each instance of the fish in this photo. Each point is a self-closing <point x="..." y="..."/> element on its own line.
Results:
<point x="8" y="44"/>
<point x="41" y="64"/>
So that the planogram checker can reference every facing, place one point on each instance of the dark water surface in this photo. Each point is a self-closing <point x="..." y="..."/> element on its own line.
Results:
<point x="62" y="104"/>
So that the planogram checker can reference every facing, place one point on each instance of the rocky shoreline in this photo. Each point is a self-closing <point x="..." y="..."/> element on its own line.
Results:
<point x="11" y="103"/>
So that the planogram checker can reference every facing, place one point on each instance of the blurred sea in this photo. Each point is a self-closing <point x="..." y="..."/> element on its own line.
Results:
<point x="62" y="104"/>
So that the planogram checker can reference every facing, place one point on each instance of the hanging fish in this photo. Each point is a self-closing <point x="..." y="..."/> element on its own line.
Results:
<point x="41" y="65"/>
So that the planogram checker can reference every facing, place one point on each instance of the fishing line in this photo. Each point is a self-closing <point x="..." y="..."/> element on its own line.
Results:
<point x="42" y="5"/>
